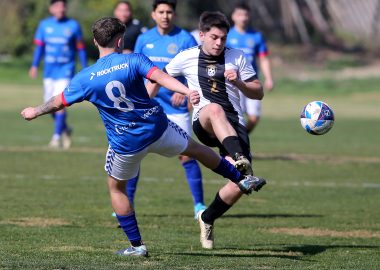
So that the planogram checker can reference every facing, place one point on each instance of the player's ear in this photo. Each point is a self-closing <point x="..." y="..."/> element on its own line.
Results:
<point x="96" y="43"/>
<point x="201" y="36"/>
<point x="153" y="15"/>
<point x="119" y="43"/>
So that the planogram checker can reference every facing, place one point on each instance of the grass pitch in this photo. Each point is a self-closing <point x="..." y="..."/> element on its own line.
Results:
<point x="320" y="209"/>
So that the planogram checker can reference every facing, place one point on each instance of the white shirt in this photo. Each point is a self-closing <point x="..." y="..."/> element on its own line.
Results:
<point x="205" y="74"/>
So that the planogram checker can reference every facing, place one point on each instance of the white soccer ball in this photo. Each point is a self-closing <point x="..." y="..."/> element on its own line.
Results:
<point x="317" y="118"/>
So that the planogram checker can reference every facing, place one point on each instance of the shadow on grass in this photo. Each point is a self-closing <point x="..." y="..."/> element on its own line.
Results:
<point x="295" y="252"/>
<point x="238" y="215"/>
<point x="272" y="216"/>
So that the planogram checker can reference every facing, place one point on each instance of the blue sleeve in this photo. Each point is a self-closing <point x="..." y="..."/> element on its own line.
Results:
<point x="39" y="35"/>
<point x="191" y="42"/>
<point x="38" y="53"/>
<point x="80" y="46"/>
<point x="262" y="47"/>
<point x="40" y="46"/>
<point x="74" y="92"/>
<point x="82" y="57"/>
<point x="139" y="44"/>
<point x="144" y="66"/>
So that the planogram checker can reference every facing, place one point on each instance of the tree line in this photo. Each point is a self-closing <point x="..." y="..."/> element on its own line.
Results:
<point x="340" y="24"/>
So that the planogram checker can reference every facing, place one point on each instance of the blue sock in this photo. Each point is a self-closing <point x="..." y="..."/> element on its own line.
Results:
<point x="227" y="170"/>
<point x="194" y="179"/>
<point x="131" y="187"/>
<point x="60" y="123"/>
<point x="129" y="225"/>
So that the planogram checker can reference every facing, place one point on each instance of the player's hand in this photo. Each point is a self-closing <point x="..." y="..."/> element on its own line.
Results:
<point x="29" y="113"/>
<point x="194" y="97"/>
<point x="178" y="99"/>
<point x="33" y="71"/>
<point x="231" y="75"/>
<point x="268" y="85"/>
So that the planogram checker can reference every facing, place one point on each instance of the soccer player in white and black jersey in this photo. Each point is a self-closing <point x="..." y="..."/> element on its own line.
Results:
<point x="218" y="73"/>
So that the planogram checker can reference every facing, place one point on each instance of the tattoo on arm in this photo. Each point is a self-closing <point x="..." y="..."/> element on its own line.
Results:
<point x="48" y="107"/>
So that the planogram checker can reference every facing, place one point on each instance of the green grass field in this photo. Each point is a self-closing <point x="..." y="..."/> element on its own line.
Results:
<point x="320" y="210"/>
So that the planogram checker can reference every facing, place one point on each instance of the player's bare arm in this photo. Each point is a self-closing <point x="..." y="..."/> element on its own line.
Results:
<point x="152" y="87"/>
<point x="52" y="105"/>
<point x="251" y="88"/>
<point x="266" y="70"/>
<point x="173" y="84"/>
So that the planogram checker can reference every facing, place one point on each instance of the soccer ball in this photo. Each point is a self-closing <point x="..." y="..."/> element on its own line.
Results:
<point x="317" y="118"/>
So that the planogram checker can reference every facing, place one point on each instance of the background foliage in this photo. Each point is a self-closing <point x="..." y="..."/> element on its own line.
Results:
<point x="343" y="25"/>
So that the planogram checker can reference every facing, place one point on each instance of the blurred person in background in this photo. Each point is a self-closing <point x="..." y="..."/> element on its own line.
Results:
<point x="58" y="39"/>
<point x="252" y="42"/>
<point x="133" y="28"/>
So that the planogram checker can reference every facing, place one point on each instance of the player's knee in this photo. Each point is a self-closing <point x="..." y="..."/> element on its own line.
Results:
<point x="216" y="111"/>
<point x="184" y="159"/>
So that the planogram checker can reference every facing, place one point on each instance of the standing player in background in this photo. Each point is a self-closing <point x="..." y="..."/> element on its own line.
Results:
<point x="161" y="44"/>
<point x="133" y="28"/>
<point x="253" y="44"/>
<point x="135" y="124"/>
<point x="57" y="39"/>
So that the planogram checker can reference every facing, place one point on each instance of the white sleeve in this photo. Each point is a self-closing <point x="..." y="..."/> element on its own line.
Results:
<point x="175" y="67"/>
<point x="246" y="70"/>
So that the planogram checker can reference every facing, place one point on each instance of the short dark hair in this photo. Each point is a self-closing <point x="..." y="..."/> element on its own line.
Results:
<point x="172" y="3"/>
<point x="123" y="2"/>
<point x="55" y="1"/>
<point x="242" y="6"/>
<point x="211" y="19"/>
<point x="107" y="30"/>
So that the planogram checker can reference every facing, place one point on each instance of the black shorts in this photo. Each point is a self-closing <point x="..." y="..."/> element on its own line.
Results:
<point x="211" y="141"/>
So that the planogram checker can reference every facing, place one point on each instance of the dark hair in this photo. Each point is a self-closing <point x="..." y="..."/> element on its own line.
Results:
<point x="172" y="3"/>
<point x="211" y="19"/>
<point x="242" y="6"/>
<point x="55" y="1"/>
<point x="107" y="30"/>
<point x="123" y="2"/>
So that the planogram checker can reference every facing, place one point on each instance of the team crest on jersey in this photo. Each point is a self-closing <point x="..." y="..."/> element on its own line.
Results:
<point x="172" y="48"/>
<point x="250" y="42"/>
<point x="211" y="70"/>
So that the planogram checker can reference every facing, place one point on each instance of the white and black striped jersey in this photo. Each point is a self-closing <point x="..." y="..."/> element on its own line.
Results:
<point x="205" y="74"/>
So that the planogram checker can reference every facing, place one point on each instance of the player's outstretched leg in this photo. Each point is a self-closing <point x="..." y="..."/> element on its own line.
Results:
<point x="213" y="120"/>
<point x="126" y="217"/>
<point x="247" y="183"/>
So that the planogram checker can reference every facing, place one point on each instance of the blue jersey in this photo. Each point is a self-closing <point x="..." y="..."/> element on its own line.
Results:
<point x="251" y="42"/>
<point x="115" y="85"/>
<point x="161" y="49"/>
<point x="60" y="40"/>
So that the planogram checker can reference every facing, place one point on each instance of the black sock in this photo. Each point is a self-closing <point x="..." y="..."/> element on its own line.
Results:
<point x="232" y="145"/>
<point x="216" y="209"/>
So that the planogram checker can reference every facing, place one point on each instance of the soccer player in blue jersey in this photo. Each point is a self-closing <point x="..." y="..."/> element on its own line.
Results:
<point x="254" y="46"/>
<point x="135" y="124"/>
<point x="161" y="44"/>
<point x="58" y="39"/>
